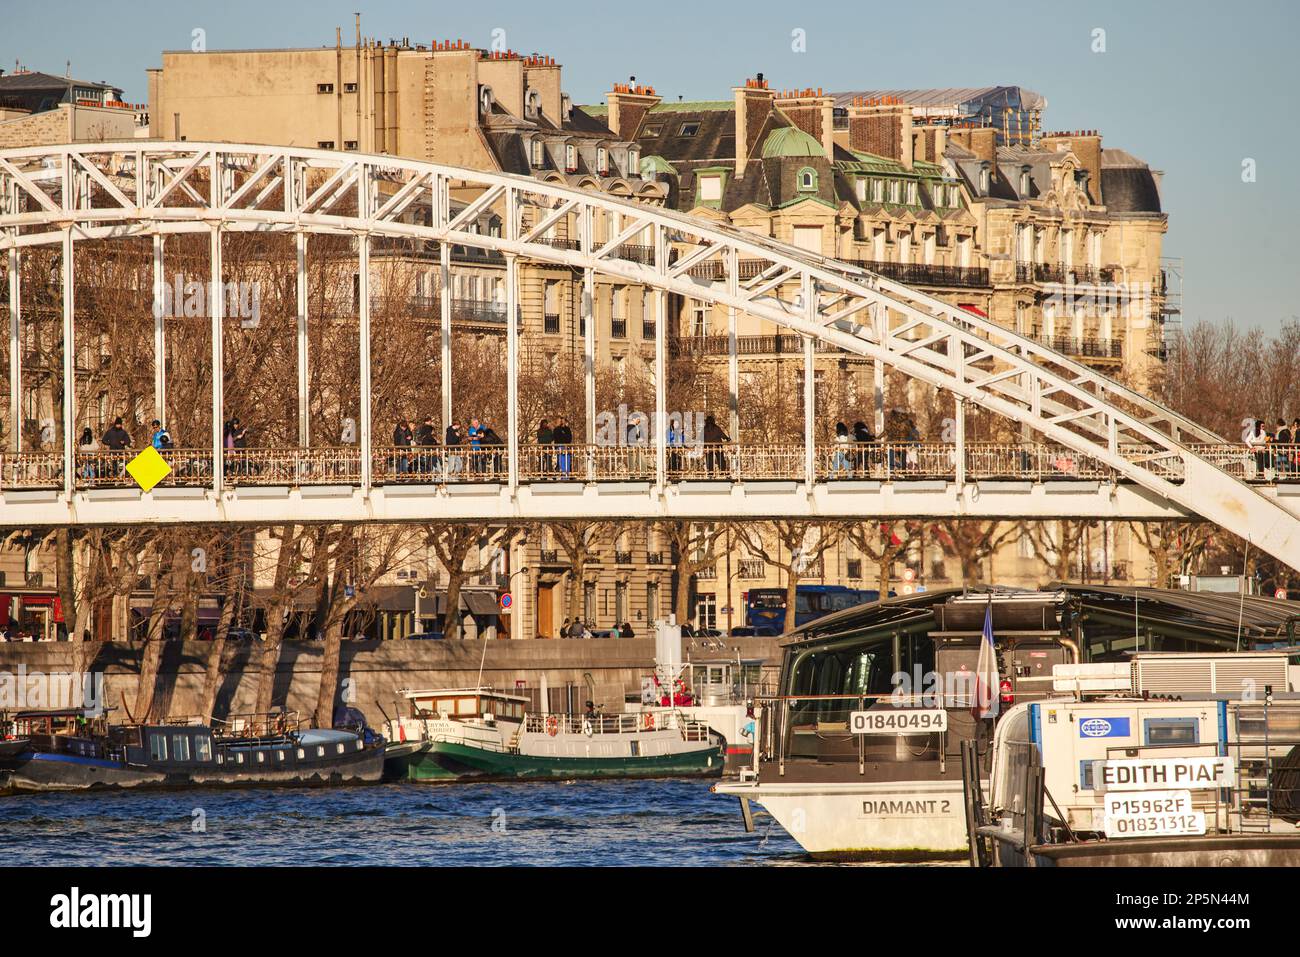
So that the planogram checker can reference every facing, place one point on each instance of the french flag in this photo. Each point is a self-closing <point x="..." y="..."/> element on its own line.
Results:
<point x="988" y="681"/>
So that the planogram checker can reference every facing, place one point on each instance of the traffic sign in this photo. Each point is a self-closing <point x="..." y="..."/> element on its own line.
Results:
<point x="506" y="600"/>
<point x="1280" y="593"/>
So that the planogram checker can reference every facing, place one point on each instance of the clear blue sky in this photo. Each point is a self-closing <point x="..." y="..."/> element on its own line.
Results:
<point x="1192" y="87"/>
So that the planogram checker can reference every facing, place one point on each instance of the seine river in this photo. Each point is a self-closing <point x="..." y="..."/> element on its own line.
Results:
<point x="657" y="823"/>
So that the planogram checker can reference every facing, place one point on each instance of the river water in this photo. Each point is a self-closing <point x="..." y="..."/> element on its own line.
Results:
<point x="656" y="823"/>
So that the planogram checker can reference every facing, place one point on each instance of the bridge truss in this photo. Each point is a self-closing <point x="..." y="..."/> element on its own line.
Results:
<point x="1156" y="461"/>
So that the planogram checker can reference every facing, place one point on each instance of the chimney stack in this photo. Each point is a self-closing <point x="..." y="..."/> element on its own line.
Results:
<point x="813" y="112"/>
<point x="753" y="104"/>
<point x="628" y="104"/>
<point x="1085" y="144"/>
<point x="882" y="125"/>
<point x="980" y="140"/>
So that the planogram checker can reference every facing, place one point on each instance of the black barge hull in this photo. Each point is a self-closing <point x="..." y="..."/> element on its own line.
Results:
<point x="36" y="773"/>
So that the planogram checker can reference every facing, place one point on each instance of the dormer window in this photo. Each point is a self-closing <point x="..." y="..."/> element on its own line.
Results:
<point x="571" y="158"/>
<point x="911" y="194"/>
<point x="602" y="161"/>
<point x="533" y="105"/>
<point x="688" y="129"/>
<point x="877" y="190"/>
<point x="710" y="189"/>
<point x="1024" y="182"/>
<point x="539" y="154"/>
<point x="633" y="163"/>
<point x="860" y="186"/>
<point x="566" y="106"/>
<point x="807" y="180"/>
<point x="894" y="190"/>
<point x="485" y="99"/>
<point x="984" y="179"/>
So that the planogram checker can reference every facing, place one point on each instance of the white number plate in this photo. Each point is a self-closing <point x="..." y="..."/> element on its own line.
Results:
<point x="1151" y="814"/>
<point x="898" y="721"/>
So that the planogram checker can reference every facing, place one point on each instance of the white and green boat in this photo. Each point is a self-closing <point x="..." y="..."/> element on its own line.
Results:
<point x="458" y="733"/>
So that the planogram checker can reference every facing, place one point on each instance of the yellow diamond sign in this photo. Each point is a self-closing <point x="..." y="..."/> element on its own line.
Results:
<point x="148" y="468"/>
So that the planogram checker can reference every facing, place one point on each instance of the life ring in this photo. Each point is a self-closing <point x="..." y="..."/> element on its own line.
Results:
<point x="586" y="727"/>
<point x="552" y="725"/>
<point x="648" y="721"/>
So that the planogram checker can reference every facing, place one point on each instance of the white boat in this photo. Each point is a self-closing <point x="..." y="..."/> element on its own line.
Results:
<point x="720" y="692"/>
<point x="1114" y="778"/>
<point x="451" y="734"/>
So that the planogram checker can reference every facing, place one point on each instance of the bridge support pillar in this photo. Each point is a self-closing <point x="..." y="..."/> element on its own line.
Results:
<point x="217" y="300"/>
<point x="589" y="353"/>
<point x="661" y="367"/>
<point x="159" y="332"/>
<point x="733" y="359"/>
<point x="363" y="257"/>
<point x="959" y="437"/>
<point x="809" y="391"/>
<point x="444" y="316"/>
<point x="878" y="370"/>
<point x="15" y="354"/>
<point x="69" y="368"/>
<point x="304" y="399"/>
<point x="512" y="372"/>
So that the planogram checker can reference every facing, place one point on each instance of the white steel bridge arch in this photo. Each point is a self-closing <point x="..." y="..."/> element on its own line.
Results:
<point x="78" y="193"/>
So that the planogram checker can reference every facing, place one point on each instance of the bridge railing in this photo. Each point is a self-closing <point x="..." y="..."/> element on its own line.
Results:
<point x="20" y="470"/>
<point x="726" y="462"/>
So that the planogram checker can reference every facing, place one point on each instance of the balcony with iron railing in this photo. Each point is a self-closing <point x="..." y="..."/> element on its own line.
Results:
<point x="1084" y="347"/>
<point x="762" y="345"/>
<point x="928" y="274"/>
<point x="1060" y="274"/>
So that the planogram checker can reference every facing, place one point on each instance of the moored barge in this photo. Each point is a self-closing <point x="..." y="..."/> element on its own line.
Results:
<point x="455" y="734"/>
<point x="68" y="751"/>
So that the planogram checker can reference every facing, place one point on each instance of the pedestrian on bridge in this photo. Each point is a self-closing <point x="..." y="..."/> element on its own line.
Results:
<point x="475" y="436"/>
<point x="424" y="438"/>
<point x="562" y="436"/>
<point x="403" y="438"/>
<point x="840" y="463"/>
<point x="88" y="447"/>
<point x="453" y="441"/>
<point x="714" y="438"/>
<point x="545" y="438"/>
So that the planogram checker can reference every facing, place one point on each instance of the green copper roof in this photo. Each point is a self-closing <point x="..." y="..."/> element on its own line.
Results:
<point x="693" y="106"/>
<point x="791" y="141"/>
<point x="650" y="165"/>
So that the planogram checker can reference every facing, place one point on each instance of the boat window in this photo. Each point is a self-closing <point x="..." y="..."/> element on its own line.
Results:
<point x="158" y="747"/>
<point x="261" y="757"/>
<point x="320" y="751"/>
<point x="180" y="747"/>
<point x="279" y="756"/>
<point x="465" y="706"/>
<point x="1170" y="731"/>
<point x="239" y="757"/>
<point x="203" y="748"/>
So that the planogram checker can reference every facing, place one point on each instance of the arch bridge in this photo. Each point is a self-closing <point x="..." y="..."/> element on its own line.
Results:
<point x="1098" y="449"/>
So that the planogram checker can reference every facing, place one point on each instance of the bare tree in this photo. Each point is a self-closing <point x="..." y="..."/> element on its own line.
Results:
<point x="694" y="546"/>
<point x="793" y="547"/>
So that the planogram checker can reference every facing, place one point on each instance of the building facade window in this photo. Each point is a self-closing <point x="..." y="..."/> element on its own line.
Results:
<point x="807" y="179"/>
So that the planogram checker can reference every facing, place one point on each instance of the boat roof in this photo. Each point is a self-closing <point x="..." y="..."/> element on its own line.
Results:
<point x="453" y="692"/>
<point x="1210" y="617"/>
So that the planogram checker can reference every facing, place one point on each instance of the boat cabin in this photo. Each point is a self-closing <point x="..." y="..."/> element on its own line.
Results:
<point x="467" y="704"/>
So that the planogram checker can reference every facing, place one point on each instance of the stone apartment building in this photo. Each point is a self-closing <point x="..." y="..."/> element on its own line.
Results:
<point x="999" y="224"/>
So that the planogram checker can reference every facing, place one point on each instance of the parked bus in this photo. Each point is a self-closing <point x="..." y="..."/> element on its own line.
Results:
<point x="765" y="607"/>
